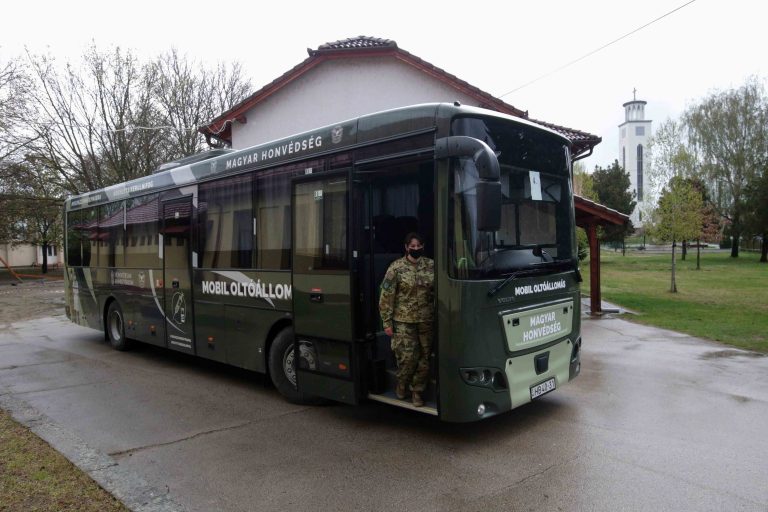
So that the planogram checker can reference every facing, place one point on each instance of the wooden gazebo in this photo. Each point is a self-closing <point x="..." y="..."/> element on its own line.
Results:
<point x="590" y="215"/>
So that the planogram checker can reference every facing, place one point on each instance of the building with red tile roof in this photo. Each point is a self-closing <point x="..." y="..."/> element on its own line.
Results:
<point x="349" y="78"/>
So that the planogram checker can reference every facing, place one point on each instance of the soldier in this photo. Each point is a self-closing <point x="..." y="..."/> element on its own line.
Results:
<point x="406" y="308"/>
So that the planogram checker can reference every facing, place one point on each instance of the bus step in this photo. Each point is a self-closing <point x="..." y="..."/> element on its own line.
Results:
<point x="390" y="398"/>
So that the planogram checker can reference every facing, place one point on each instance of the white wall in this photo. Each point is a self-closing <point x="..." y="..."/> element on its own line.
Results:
<point x="19" y="255"/>
<point x="25" y="255"/>
<point x="338" y="90"/>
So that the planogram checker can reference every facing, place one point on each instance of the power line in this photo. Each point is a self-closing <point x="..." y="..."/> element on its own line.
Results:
<point x="549" y="73"/>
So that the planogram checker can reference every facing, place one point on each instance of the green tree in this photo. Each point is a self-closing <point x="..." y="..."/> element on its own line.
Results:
<point x="583" y="186"/>
<point x="669" y="156"/>
<point x="756" y="219"/>
<point x="31" y="206"/>
<point x="728" y="132"/>
<point x="612" y="186"/>
<point x="677" y="217"/>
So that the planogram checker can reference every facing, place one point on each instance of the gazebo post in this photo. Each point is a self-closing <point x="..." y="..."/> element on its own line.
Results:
<point x="595" y="300"/>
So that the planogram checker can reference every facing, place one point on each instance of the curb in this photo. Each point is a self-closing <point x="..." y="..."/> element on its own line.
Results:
<point x="128" y="487"/>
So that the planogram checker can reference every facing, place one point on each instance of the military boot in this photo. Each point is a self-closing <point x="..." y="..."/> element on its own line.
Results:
<point x="400" y="391"/>
<point x="417" y="400"/>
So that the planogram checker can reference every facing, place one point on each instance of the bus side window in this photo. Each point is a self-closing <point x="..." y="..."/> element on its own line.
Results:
<point x="142" y="220"/>
<point x="225" y="225"/>
<point x="273" y="217"/>
<point x="110" y="235"/>
<point x="74" y="234"/>
<point x="90" y="237"/>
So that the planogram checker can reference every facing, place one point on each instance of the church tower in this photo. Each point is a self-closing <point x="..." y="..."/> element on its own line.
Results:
<point x="633" y="146"/>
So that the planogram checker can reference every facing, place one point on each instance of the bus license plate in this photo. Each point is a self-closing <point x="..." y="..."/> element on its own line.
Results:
<point x="543" y="388"/>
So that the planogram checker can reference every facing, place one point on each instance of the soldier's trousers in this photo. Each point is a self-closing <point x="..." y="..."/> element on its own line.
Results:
<point x="412" y="345"/>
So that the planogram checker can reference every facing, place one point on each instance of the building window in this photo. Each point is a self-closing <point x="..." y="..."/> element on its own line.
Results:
<point x="624" y="158"/>
<point x="639" y="130"/>
<point x="639" y="172"/>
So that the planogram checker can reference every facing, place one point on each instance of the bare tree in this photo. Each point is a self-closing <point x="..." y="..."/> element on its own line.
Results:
<point x="14" y="84"/>
<point x="110" y="118"/>
<point x="85" y="119"/>
<point x="189" y="95"/>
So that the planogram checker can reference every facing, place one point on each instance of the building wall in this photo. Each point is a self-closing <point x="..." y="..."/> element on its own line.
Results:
<point x="338" y="90"/>
<point x="26" y="255"/>
<point x="19" y="255"/>
<point x="55" y="255"/>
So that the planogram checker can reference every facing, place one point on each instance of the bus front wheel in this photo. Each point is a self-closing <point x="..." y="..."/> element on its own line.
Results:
<point x="116" y="327"/>
<point x="282" y="368"/>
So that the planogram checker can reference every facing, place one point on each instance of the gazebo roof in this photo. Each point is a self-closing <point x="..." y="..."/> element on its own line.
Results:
<point x="590" y="212"/>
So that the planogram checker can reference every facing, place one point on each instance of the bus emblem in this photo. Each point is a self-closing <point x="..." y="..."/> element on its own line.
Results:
<point x="336" y="134"/>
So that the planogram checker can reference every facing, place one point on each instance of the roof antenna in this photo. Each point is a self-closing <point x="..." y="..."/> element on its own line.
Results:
<point x="456" y="103"/>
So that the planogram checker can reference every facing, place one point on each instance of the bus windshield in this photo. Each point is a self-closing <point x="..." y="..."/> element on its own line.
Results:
<point x="537" y="224"/>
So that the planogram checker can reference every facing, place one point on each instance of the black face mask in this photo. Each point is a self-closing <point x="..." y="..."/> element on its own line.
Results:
<point x="415" y="253"/>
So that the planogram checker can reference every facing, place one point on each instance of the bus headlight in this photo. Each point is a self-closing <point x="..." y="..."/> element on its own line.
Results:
<point x="483" y="377"/>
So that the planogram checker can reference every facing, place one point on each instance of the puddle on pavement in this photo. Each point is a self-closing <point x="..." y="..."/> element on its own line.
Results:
<point x="722" y="354"/>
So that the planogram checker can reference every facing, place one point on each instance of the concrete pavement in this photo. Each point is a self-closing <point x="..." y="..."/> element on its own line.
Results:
<point x="656" y="421"/>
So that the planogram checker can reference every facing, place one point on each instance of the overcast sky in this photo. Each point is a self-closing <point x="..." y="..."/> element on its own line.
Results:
<point x="496" y="46"/>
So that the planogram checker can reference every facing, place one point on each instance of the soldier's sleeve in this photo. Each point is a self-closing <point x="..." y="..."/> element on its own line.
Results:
<point x="387" y="298"/>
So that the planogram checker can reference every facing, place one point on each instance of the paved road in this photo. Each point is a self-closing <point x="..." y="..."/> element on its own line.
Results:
<point x="656" y="421"/>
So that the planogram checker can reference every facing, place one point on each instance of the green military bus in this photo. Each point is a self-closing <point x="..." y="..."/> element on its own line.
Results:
<point x="270" y="258"/>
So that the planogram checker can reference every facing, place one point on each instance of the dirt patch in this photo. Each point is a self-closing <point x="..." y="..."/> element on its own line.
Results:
<point x="31" y="299"/>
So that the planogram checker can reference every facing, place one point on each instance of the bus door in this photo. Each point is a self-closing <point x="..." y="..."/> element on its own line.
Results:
<point x="323" y="287"/>
<point x="176" y="243"/>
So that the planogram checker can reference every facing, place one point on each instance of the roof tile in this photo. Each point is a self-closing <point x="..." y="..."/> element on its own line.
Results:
<point x="354" y="43"/>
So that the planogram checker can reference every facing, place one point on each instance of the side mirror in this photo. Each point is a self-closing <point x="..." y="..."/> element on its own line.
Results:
<point x="488" y="170"/>
<point x="460" y="145"/>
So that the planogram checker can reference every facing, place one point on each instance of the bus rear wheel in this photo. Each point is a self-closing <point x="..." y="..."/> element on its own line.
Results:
<point x="115" y="327"/>
<point x="282" y="368"/>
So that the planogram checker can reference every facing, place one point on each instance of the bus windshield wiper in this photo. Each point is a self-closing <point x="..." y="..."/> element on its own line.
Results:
<point x="537" y="268"/>
<point x="510" y="277"/>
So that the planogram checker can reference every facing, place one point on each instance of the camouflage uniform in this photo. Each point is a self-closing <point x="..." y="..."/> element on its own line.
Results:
<point x="407" y="306"/>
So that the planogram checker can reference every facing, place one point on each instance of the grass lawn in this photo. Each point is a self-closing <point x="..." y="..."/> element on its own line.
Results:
<point x="33" y="476"/>
<point x="727" y="300"/>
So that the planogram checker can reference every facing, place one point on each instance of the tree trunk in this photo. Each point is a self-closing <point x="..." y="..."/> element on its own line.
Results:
<point x="673" y="286"/>
<point x="623" y="247"/>
<point x="764" y="248"/>
<point x="44" y="266"/>
<point x="684" y="250"/>
<point x="698" y="254"/>
<point x="735" y="245"/>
